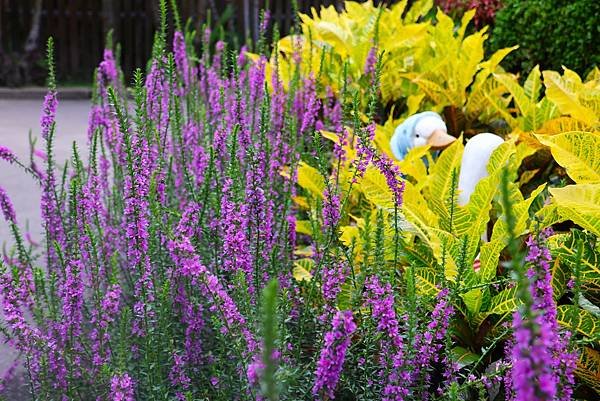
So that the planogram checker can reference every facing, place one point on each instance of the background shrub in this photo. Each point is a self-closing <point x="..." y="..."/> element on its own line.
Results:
<point x="550" y="33"/>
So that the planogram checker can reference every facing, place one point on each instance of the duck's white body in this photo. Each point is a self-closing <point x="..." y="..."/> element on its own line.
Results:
<point x="474" y="162"/>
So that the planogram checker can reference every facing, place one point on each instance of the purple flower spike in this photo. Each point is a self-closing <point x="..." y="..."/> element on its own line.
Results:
<point x="48" y="113"/>
<point x="7" y="154"/>
<point x="122" y="388"/>
<point x="7" y="207"/>
<point x="331" y="361"/>
<point x="539" y="355"/>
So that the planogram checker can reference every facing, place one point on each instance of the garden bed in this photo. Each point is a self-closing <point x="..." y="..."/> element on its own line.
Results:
<point x="240" y="226"/>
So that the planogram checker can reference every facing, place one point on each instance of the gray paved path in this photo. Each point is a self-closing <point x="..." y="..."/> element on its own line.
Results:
<point x="17" y="117"/>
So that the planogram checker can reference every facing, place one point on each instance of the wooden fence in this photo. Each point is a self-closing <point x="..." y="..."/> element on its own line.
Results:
<point x="79" y="27"/>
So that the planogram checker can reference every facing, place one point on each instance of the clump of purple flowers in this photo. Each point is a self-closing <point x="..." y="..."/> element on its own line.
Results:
<point x="122" y="388"/>
<point x="333" y="354"/>
<point x="406" y="369"/>
<point x="542" y="365"/>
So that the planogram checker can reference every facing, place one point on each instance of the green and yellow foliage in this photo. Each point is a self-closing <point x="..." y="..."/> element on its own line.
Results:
<point x="434" y="64"/>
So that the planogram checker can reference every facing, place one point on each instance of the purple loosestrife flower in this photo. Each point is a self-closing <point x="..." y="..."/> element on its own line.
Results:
<point x="181" y="60"/>
<point x="339" y="148"/>
<point x="312" y="105"/>
<point x="107" y="69"/>
<point x="255" y="369"/>
<point x="7" y="154"/>
<point x="24" y="336"/>
<point x="367" y="154"/>
<point x="332" y="112"/>
<point x="331" y="209"/>
<point x="177" y="375"/>
<point x="71" y="294"/>
<point x="333" y="354"/>
<point x="532" y="375"/>
<point x="157" y="97"/>
<point x="48" y="112"/>
<point x="7" y="207"/>
<point x="51" y="210"/>
<point x="381" y="300"/>
<point x="237" y="254"/>
<point x="9" y="375"/>
<point x="430" y="342"/>
<point x="193" y="318"/>
<point x="371" y="63"/>
<point x="539" y="355"/>
<point x="188" y="265"/>
<point x="386" y="166"/>
<point x="264" y="24"/>
<point x="364" y="152"/>
<point x="122" y="388"/>
<point x="332" y="279"/>
<point x="102" y="319"/>
<point x="192" y="315"/>
<point x="391" y="172"/>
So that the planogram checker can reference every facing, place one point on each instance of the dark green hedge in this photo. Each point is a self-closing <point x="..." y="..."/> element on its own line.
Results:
<point x="550" y="33"/>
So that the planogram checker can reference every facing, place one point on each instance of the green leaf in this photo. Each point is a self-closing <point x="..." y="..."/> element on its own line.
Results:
<point x="561" y="274"/>
<point x="565" y="92"/>
<point x="376" y="189"/>
<point x="473" y="300"/>
<point x="521" y="214"/>
<point x="564" y="248"/>
<point x="440" y="179"/>
<point x="490" y="254"/>
<point x="588" y="306"/>
<point x="304" y="227"/>
<point x="463" y="357"/>
<point x="533" y="84"/>
<point x="505" y="301"/>
<point x="344" y="298"/>
<point x="588" y="368"/>
<point x="580" y="320"/>
<point x="426" y="282"/>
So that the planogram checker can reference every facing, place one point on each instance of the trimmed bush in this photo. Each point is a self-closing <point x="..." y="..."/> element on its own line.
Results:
<point x="551" y="33"/>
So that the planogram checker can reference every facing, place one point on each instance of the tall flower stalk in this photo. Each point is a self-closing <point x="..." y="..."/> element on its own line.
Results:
<point x="542" y="365"/>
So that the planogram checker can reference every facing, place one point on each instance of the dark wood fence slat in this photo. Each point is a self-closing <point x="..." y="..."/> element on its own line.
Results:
<point x="79" y="26"/>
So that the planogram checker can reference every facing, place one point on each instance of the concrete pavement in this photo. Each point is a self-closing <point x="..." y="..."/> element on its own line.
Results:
<point x="17" y="118"/>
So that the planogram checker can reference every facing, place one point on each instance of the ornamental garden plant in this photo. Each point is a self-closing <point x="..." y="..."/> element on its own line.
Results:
<point x="238" y="228"/>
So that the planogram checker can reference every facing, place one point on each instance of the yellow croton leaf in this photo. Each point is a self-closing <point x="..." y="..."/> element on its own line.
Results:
<point x="302" y="269"/>
<point x="304" y="227"/>
<point x="579" y="203"/>
<point x="310" y="179"/>
<point x="562" y="124"/>
<point x="414" y="166"/>
<point x="417" y="213"/>
<point x="440" y="180"/>
<point x="301" y="201"/>
<point x="570" y="94"/>
<point x="588" y="368"/>
<point x="376" y="190"/>
<point x="578" y="152"/>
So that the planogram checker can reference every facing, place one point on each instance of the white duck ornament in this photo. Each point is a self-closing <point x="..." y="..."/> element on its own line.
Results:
<point x="428" y="128"/>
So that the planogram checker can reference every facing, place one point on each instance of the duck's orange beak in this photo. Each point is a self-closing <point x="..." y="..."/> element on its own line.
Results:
<point x="440" y="139"/>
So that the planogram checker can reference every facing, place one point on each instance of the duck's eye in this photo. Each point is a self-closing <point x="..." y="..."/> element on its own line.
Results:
<point x="417" y="135"/>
